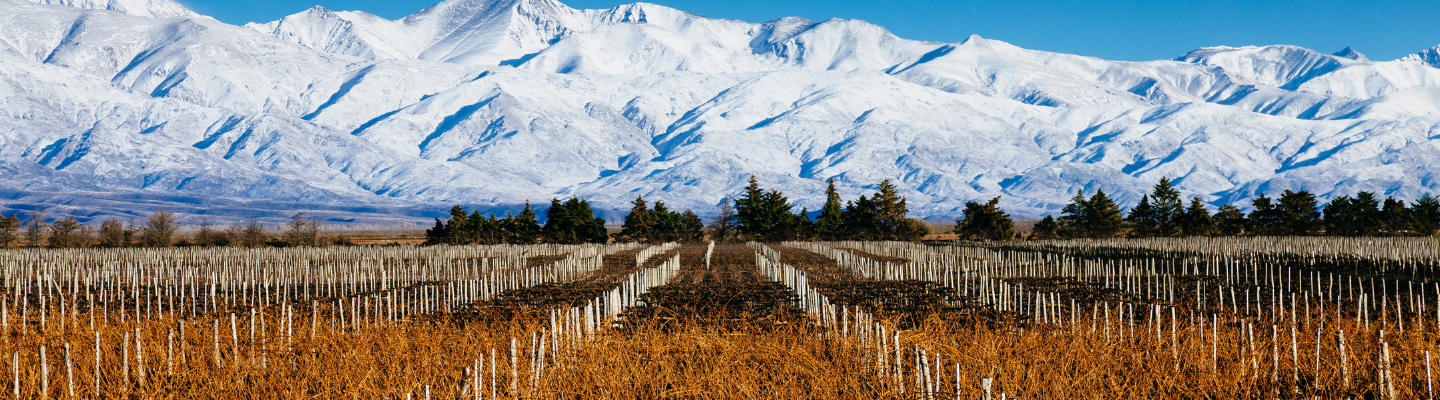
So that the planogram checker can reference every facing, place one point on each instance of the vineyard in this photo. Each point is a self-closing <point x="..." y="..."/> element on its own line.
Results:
<point x="1143" y="318"/>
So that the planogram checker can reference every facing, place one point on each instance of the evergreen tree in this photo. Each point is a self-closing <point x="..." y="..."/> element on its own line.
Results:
<point x="1358" y="216"/>
<point x="1105" y="219"/>
<point x="693" y="231"/>
<point x="573" y="222"/>
<point x="765" y="216"/>
<point x="1229" y="221"/>
<point x="440" y="234"/>
<point x="891" y="214"/>
<point x="985" y="222"/>
<point x="1300" y="215"/>
<point x="1267" y="217"/>
<point x="1143" y="219"/>
<point x="639" y="224"/>
<point x="1425" y="216"/>
<point x="524" y="228"/>
<point x="1394" y="217"/>
<point x="1167" y="208"/>
<point x="1073" y="216"/>
<point x="1046" y="229"/>
<point x="1196" y="220"/>
<point x="1096" y="217"/>
<point x="829" y="225"/>
<point x="860" y="218"/>
<point x="1338" y="216"/>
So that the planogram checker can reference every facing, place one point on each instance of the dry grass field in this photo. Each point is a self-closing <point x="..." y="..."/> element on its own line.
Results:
<point x="1162" y="318"/>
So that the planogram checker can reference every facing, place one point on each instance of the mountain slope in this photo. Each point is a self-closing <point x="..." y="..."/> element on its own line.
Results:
<point x="496" y="102"/>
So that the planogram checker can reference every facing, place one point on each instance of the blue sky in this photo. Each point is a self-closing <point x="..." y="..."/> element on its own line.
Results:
<point x="1117" y="29"/>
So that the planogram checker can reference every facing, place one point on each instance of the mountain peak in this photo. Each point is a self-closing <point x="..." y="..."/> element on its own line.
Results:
<point x="1429" y="57"/>
<point x="1351" y="53"/>
<point x="142" y="8"/>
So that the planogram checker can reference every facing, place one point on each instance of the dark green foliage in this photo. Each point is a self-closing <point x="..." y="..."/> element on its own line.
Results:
<point x="881" y="216"/>
<point x="1046" y="229"/>
<point x="986" y="222"/>
<point x="1229" y="221"/>
<point x="1425" y="216"/>
<point x="830" y="224"/>
<point x="573" y="222"/>
<point x="523" y="228"/>
<point x="660" y="225"/>
<point x="765" y="216"/>
<point x="1159" y="213"/>
<point x="1265" y="220"/>
<point x="1300" y="214"/>
<point x="1394" y="217"/>
<point x="1358" y="216"/>
<point x="1096" y="217"/>
<point x="569" y="222"/>
<point x="1142" y="219"/>
<point x="1196" y="220"/>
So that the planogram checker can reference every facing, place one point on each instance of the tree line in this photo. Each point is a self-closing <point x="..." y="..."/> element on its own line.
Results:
<point x="159" y="229"/>
<point x="1162" y="213"/>
<point x="757" y="214"/>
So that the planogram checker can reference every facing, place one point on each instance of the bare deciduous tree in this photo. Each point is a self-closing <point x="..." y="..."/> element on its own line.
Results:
<point x="252" y="234"/>
<point x="70" y="233"/>
<point x="159" y="229"/>
<point x="112" y="234"/>
<point x="35" y="229"/>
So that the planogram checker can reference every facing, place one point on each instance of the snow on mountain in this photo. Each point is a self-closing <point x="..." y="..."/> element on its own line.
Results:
<point x="1429" y="57"/>
<point x="496" y="102"/>
<point x="143" y="8"/>
<point x="1351" y="53"/>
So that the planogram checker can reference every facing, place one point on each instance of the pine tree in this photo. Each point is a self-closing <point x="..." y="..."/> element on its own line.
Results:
<point x="765" y="216"/>
<point x="439" y="234"/>
<point x="1196" y="220"/>
<point x="1143" y="220"/>
<point x="1300" y="213"/>
<point x="525" y="227"/>
<point x="639" y="225"/>
<point x="861" y="218"/>
<point x="985" y="222"/>
<point x="1046" y="229"/>
<point x="1073" y="217"/>
<point x="1394" y="217"/>
<point x="1266" y="219"/>
<point x="1168" y="208"/>
<point x="829" y="225"/>
<point x="1105" y="219"/>
<point x="1425" y="216"/>
<point x="892" y="214"/>
<point x="1229" y="221"/>
<point x="573" y="222"/>
<point x="693" y="230"/>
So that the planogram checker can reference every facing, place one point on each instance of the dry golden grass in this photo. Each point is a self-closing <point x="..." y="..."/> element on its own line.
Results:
<point x="1081" y="353"/>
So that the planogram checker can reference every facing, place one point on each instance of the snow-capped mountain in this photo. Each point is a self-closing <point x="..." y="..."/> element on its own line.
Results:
<point x="495" y="102"/>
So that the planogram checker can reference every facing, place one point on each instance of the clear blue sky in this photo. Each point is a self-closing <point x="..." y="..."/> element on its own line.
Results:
<point x="1115" y="29"/>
